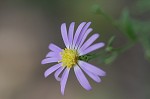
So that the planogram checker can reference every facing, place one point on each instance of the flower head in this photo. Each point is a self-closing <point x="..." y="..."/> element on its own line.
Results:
<point x="76" y="46"/>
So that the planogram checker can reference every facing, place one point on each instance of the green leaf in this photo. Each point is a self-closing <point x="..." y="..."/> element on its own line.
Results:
<point x="143" y="30"/>
<point x="110" y="43"/>
<point x="126" y="25"/>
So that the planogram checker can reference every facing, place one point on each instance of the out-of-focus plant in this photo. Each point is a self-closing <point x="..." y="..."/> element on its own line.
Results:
<point x="134" y="29"/>
<point x="143" y="6"/>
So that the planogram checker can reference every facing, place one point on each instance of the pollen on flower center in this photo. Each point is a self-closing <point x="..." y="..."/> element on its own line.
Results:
<point x="69" y="57"/>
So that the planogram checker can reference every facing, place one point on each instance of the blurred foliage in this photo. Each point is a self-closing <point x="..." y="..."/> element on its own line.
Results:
<point x="143" y="6"/>
<point x="143" y="30"/>
<point x="126" y="25"/>
<point x="135" y="30"/>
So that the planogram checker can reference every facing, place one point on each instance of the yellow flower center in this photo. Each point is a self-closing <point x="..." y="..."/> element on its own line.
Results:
<point x="69" y="57"/>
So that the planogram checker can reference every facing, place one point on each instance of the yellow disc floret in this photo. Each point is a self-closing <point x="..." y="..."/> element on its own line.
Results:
<point x="69" y="57"/>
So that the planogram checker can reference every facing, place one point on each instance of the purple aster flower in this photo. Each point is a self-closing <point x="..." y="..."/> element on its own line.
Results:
<point x="76" y="46"/>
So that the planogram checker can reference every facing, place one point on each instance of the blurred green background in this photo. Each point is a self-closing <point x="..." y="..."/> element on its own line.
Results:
<point x="28" y="26"/>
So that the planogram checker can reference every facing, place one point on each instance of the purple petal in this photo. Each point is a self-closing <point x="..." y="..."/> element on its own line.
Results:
<point x="64" y="80"/>
<point x="53" y="55"/>
<point x="64" y="34"/>
<point x="54" y="48"/>
<point x="51" y="70"/>
<point x="71" y="31"/>
<point x="91" y="68"/>
<point x="89" y="41"/>
<point x="91" y="48"/>
<point x="81" y="78"/>
<point x="82" y="33"/>
<point x="77" y="33"/>
<point x="84" y="37"/>
<point x="49" y="60"/>
<point x="94" y="77"/>
<point x="57" y="73"/>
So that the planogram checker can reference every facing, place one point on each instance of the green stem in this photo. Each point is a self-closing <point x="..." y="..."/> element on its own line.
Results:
<point x="97" y="55"/>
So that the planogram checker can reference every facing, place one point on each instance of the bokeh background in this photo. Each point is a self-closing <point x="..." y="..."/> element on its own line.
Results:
<point x="28" y="26"/>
